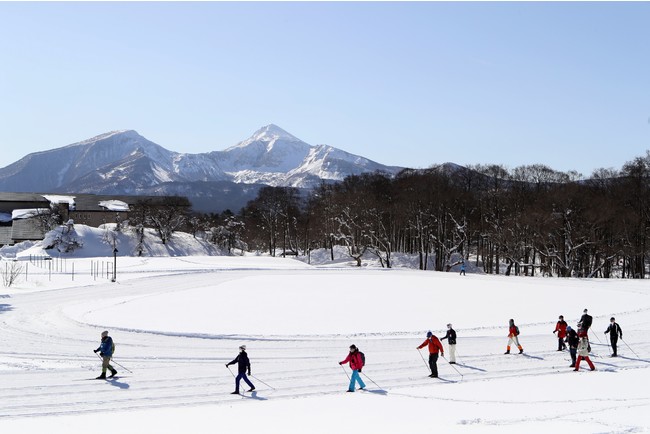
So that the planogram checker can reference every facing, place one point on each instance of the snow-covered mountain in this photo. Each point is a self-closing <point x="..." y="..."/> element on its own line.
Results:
<point x="124" y="162"/>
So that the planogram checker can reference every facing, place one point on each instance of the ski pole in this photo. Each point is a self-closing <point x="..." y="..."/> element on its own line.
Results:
<point x="610" y="345"/>
<point x="372" y="381"/>
<point x="597" y="338"/>
<point x="346" y="372"/>
<point x="424" y="361"/>
<point x="230" y="370"/>
<point x="114" y="362"/>
<point x="637" y="356"/>
<point x="126" y="369"/>
<point x="461" y="375"/>
<point x="270" y="387"/>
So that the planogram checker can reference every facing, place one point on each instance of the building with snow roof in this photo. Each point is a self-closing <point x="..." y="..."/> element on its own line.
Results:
<point x="20" y="212"/>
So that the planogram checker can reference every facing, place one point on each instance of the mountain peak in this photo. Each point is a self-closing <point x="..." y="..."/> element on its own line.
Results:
<point x="104" y="136"/>
<point x="271" y="132"/>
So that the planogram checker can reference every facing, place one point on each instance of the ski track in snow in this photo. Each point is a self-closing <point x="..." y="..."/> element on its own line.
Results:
<point x="46" y="357"/>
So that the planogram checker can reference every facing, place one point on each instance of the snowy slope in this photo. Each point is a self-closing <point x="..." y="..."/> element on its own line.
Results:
<point x="177" y="321"/>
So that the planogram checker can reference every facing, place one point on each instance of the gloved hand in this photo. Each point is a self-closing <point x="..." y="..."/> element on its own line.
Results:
<point x="227" y="365"/>
<point x="249" y="372"/>
<point x="95" y="351"/>
<point x="359" y="369"/>
<point x="340" y="363"/>
<point x="101" y="354"/>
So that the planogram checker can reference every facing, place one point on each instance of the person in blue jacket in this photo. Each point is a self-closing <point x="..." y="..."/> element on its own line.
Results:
<point x="462" y="268"/>
<point x="243" y="365"/>
<point x="106" y="349"/>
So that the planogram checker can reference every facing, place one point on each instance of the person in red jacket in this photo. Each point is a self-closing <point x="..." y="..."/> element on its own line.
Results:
<point x="560" y="329"/>
<point x="356" y="364"/>
<point x="513" y="333"/>
<point x="434" y="346"/>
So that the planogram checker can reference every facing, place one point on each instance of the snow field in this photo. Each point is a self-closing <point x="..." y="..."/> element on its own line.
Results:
<point x="177" y="321"/>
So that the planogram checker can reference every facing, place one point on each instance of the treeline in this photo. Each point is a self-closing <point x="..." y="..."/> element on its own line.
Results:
<point x="527" y="221"/>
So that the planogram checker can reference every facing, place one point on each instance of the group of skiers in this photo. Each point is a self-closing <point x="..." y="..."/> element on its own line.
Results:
<point x="577" y="341"/>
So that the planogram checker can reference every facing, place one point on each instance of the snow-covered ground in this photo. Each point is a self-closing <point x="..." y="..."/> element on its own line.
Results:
<point x="177" y="320"/>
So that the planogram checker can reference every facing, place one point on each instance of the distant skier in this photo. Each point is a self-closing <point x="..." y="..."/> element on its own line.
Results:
<point x="560" y="329"/>
<point x="513" y="333"/>
<point x="573" y="341"/>
<point x="583" y="351"/>
<point x="462" y="268"/>
<point x="106" y="349"/>
<point x="435" y="346"/>
<point x="614" y="331"/>
<point x="243" y="365"/>
<point x="355" y="358"/>
<point x="451" y="336"/>
<point x="585" y="322"/>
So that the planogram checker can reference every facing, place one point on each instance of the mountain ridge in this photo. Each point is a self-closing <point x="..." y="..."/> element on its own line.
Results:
<point x="124" y="162"/>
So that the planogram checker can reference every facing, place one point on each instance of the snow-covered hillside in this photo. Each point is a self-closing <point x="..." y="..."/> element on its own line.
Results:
<point x="83" y="241"/>
<point x="178" y="320"/>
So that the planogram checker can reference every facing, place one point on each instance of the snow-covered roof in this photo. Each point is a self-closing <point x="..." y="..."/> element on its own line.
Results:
<point x="28" y="213"/>
<point x="57" y="199"/>
<point x="114" y="205"/>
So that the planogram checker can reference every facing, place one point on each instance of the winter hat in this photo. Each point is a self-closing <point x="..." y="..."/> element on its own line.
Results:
<point x="561" y="317"/>
<point x="568" y="328"/>
<point x="243" y="347"/>
<point x="429" y="334"/>
<point x="104" y="333"/>
<point x="449" y="325"/>
<point x="584" y="311"/>
<point x="612" y="319"/>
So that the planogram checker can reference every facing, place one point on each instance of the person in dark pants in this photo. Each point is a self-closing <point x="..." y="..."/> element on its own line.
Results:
<point x="573" y="341"/>
<point x="451" y="335"/>
<point x="560" y="329"/>
<point x="434" y="347"/>
<point x="614" y="331"/>
<point x="243" y="365"/>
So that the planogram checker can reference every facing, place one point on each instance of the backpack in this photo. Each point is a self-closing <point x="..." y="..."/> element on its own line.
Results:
<point x="516" y="331"/>
<point x="363" y="358"/>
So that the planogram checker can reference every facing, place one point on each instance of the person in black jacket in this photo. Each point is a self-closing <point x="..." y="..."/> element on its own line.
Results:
<point x="573" y="341"/>
<point x="243" y="365"/>
<point x="451" y="336"/>
<point x="614" y="331"/>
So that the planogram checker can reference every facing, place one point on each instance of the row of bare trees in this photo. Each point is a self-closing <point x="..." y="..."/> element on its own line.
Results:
<point x="527" y="221"/>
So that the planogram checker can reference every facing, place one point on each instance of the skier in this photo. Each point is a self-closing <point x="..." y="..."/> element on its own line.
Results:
<point x="583" y="351"/>
<point x="513" y="333"/>
<point x="614" y="331"/>
<point x="434" y="346"/>
<point x="451" y="335"/>
<point x="243" y="365"/>
<point x="585" y="322"/>
<point x="560" y="329"/>
<point x="106" y="349"/>
<point x="573" y="341"/>
<point x="356" y="361"/>
<point x="462" y="268"/>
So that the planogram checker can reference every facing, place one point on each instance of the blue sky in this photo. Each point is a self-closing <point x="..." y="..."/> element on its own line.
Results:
<point x="410" y="84"/>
